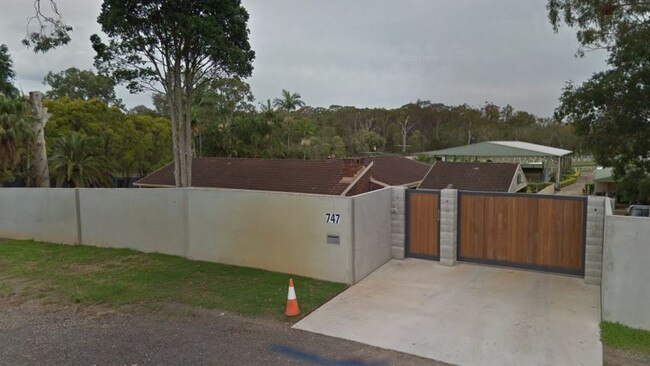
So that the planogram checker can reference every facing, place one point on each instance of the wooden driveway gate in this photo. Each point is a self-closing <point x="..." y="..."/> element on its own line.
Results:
<point x="423" y="224"/>
<point x="520" y="230"/>
<point x="539" y="232"/>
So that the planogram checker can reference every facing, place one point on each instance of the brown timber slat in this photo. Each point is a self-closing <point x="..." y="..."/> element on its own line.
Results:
<point x="423" y="224"/>
<point x="521" y="230"/>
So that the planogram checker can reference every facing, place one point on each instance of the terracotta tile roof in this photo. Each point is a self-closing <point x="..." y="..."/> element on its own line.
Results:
<point x="396" y="170"/>
<point x="489" y="177"/>
<point x="282" y="175"/>
<point x="329" y="177"/>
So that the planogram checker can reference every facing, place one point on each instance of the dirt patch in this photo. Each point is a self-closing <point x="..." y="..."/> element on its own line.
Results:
<point x="617" y="357"/>
<point x="85" y="268"/>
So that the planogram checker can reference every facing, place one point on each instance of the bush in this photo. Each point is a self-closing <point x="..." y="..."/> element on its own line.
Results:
<point x="536" y="187"/>
<point x="424" y="158"/>
<point x="567" y="182"/>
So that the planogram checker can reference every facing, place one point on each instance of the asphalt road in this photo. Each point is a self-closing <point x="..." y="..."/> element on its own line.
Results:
<point x="35" y="334"/>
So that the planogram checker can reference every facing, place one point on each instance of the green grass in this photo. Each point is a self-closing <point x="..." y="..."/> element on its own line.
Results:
<point x="116" y="277"/>
<point x="620" y="336"/>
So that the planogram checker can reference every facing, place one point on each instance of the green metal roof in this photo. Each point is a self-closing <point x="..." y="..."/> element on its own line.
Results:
<point x="501" y="149"/>
<point x="604" y="175"/>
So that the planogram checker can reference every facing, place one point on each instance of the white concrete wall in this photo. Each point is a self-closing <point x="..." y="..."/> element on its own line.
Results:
<point x="38" y="214"/>
<point x="372" y="231"/>
<point x="626" y="271"/>
<point x="550" y="190"/>
<point x="149" y="220"/>
<point x="282" y="232"/>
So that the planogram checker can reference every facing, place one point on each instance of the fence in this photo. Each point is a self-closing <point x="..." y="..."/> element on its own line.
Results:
<point x="626" y="270"/>
<point x="340" y="239"/>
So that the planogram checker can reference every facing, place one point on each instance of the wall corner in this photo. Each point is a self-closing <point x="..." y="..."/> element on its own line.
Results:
<point x="79" y="239"/>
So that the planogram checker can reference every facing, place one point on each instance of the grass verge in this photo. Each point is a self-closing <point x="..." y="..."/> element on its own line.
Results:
<point x="115" y="277"/>
<point x="622" y="337"/>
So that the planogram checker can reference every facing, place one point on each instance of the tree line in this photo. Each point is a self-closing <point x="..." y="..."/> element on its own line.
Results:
<point x="195" y="55"/>
<point x="92" y="140"/>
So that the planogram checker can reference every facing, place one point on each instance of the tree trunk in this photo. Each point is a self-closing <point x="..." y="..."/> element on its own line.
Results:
<point x="173" y="118"/>
<point x="188" y="154"/>
<point x="180" y="100"/>
<point x="38" y="150"/>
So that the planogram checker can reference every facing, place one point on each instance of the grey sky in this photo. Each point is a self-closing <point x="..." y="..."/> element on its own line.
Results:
<point x="366" y="53"/>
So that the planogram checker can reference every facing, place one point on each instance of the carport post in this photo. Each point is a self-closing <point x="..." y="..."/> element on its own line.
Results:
<point x="448" y="227"/>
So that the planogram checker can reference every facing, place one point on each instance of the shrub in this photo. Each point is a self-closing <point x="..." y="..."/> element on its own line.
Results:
<point x="567" y="182"/>
<point x="536" y="187"/>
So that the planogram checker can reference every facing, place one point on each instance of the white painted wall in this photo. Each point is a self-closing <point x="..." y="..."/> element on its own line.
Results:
<point x="626" y="271"/>
<point x="149" y="220"/>
<point x="516" y="186"/>
<point x="372" y="231"/>
<point x="283" y="232"/>
<point x="38" y="214"/>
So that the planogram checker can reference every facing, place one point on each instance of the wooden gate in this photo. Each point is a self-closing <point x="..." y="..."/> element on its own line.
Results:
<point x="528" y="231"/>
<point x="423" y="224"/>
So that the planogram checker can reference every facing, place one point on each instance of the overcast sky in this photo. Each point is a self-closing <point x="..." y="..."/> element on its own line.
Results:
<point x="366" y="53"/>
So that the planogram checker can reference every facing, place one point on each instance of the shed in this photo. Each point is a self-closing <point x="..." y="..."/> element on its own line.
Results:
<point x="554" y="160"/>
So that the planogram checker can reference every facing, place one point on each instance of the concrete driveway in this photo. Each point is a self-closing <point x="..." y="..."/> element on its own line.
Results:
<point x="468" y="315"/>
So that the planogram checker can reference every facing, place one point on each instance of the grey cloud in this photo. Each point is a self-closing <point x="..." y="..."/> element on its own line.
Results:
<point x="368" y="53"/>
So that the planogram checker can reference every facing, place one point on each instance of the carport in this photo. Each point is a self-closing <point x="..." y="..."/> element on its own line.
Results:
<point x="468" y="314"/>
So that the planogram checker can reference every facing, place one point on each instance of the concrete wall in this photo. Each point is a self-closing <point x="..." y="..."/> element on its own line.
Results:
<point x="282" y="232"/>
<point x="372" y="231"/>
<point x="38" y="214"/>
<point x="149" y="220"/>
<point x="550" y="190"/>
<point x="626" y="271"/>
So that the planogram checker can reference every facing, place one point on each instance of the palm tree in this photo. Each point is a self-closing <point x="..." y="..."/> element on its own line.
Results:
<point x="289" y="101"/>
<point x="14" y="127"/>
<point x="72" y="162"/>
<point x="267" y="107"/>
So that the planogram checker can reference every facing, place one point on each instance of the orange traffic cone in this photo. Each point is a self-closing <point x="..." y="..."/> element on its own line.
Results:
<point x="292" y="301"/>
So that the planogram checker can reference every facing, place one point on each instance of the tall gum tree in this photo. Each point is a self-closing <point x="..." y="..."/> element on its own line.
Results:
<point x="173" y="47"/>
<point x="611" y="109"/>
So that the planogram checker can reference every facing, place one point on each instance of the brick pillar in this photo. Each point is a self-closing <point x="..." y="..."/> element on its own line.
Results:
<point x="448" y="226"/>
<point x="595" y="235"/>
<point x="397" y="222"/>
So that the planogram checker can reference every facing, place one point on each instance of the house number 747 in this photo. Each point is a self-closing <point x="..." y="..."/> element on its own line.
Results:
<point x="332" y="218"/>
